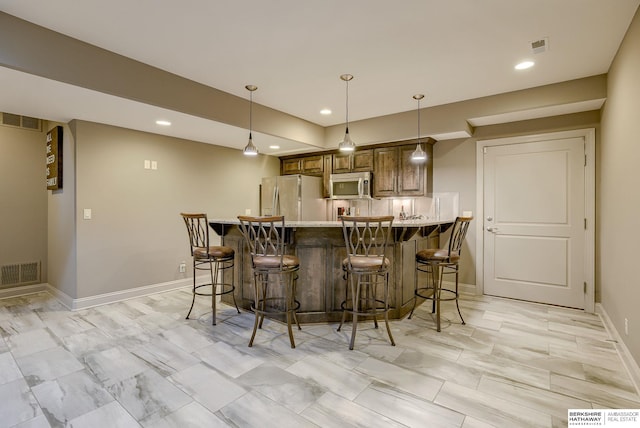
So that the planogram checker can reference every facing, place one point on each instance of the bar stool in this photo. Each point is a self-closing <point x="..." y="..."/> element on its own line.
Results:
<point x="366" y="270"/>
<point x="266" y="239"/>
<point x="437" y="263"/>
<point x="215" y="259"/>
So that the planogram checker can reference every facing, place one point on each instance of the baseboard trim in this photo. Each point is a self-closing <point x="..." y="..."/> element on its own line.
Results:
<point x="462" y="287"/>
<point x="116" y="296"/>
<point x="22" y="290"/>
<point x="627" y="359"/>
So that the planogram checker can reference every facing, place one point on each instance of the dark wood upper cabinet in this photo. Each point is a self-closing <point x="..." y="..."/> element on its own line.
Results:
<point x="394" y="174"/>
<point x="313" y="165"/>
<point x="358" y="161"/>
<point x="308" y="165"/>
<point x="385" y="172"/>
<point x="291" y="166"/>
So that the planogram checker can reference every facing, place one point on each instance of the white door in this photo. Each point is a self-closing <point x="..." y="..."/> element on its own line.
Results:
<point x="534" y="221"/>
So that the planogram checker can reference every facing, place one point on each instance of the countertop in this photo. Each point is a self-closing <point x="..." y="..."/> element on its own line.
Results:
<point x="321" y="223"/>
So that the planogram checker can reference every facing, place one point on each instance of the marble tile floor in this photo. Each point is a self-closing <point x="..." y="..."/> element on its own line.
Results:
<point x="140" y="363"/>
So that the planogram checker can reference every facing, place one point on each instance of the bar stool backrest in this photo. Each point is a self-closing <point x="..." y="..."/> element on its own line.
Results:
<point x="366" y="236"/>
<point x="265" y="236"/>
<point x="198" y="228"/>
<point x="458" y="233"/>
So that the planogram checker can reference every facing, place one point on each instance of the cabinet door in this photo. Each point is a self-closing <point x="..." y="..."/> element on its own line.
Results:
<point x="291" y="166"/>
<point x="385" y="167"/>
<point x="341" y="163"/>
<point x="362" y="161"/>
<point x="410" y="174"/>
<point x="313" y="165"/>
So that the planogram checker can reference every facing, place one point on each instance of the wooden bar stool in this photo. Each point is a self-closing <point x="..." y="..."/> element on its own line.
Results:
<point x="366" y="270"/>
<point x="437" y="263"/>
<point x="216" y="259"/>
<point x="266" y="239"/>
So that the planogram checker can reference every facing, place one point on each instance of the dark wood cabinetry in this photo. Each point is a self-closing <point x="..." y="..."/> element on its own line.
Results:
<point x="395" y="174"/>
<point x="358" y="161"/>
<point x="321" y="285"/>
<point x="308" y="165"/>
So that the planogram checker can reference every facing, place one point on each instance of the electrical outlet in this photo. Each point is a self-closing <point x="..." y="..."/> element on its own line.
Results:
<point x="626" y="327"/>
<point x="183" y="267"/>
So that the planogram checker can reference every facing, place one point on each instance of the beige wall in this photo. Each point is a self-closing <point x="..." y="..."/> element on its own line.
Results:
<point x="618" y="194"/>
<point x="23" y="197"/>
<point x="61" y="243"/>
<point x="455" y="171"/>
<point x="136" y="236"/>
<point x="455" y="167"/>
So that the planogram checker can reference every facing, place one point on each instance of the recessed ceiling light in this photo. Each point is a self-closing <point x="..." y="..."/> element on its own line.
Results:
<point x="163" y="122"/>
<point x="325" y="111"/>
<point x="274" y="147"/>
<point x="524" y="65"/>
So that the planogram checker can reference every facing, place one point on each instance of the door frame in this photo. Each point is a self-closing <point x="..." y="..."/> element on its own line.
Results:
<point x="589" y="135"/>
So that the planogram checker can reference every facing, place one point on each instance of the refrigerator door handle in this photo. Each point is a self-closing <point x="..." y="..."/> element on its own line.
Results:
<point x="275" y="207"/>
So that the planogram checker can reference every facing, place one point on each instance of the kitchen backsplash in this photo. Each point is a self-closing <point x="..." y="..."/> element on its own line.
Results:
<point x="436" y="206"/>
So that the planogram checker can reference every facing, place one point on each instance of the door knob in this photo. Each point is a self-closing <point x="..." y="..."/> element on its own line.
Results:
<point x="489" y="218"/>
<point x="492" y="229"/>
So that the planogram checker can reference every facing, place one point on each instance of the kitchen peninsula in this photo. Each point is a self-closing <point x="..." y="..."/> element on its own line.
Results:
<point x="321" y="249"/>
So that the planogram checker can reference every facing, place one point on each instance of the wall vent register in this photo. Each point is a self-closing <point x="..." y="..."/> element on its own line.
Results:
<point x="20" y="274"/>
<point x="25" y="122"/>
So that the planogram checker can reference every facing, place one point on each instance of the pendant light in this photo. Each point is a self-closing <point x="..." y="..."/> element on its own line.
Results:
<point x="250" y="149"/>
<point x="418" y="154"/>
<point x="347" y="145"/>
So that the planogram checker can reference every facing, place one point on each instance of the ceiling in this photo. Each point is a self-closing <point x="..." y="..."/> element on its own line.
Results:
<point x="295" y="51"/>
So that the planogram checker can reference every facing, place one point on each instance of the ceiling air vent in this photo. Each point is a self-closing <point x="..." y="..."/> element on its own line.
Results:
<point x="539" y="46"/>
<point x="25" y="122"/>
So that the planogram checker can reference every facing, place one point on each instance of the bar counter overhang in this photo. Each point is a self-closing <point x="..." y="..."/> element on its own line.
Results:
<point x="321" y="249"/>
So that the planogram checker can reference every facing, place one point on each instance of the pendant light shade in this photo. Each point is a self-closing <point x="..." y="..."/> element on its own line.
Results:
<point x="418" y="154"/>
<point x="250" y="149"/>
<point x="347" y="145"/>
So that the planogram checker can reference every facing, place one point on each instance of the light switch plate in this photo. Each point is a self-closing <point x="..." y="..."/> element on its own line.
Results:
<point x="147" y="164"/>
<point x="154" y="164"/>
<point x="86" y="214"/>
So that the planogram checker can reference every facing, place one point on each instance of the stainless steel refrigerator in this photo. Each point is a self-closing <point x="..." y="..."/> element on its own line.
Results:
<point x="297" y="197"/>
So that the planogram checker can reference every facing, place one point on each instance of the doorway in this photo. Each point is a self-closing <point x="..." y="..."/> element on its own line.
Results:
<point x="536" y="218"/>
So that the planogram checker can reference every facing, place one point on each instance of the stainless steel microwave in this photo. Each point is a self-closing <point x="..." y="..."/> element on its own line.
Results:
<point x="350" y="185"/>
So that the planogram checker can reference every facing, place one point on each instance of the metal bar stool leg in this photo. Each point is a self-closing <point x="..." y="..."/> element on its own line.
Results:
<point x="257" y="280"/>
<point x="370" y="299"/>
<point x="386" y="308"/>
<point x="437" y="292"/>
<point x="214" y="276"/>
<point x="457" y="297"/>
<point x="355" y="299"/>
<point x="289" y="305"/>
<point x="346" y="298"/>
<point x="193" y="299"/>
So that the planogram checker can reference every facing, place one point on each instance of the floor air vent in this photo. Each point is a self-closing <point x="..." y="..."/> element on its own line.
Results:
<point x="19" y="274"/>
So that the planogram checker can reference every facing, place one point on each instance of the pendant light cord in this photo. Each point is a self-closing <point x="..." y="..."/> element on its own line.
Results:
<point x="347" y="107"/>
<point x="418" y="120"/>
<point x="250" y="113"/>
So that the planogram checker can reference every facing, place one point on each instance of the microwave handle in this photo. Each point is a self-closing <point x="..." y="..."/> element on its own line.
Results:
<point x="360" y="187"/>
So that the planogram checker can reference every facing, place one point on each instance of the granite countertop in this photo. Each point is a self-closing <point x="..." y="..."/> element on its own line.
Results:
<point x="320" y="223"/>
